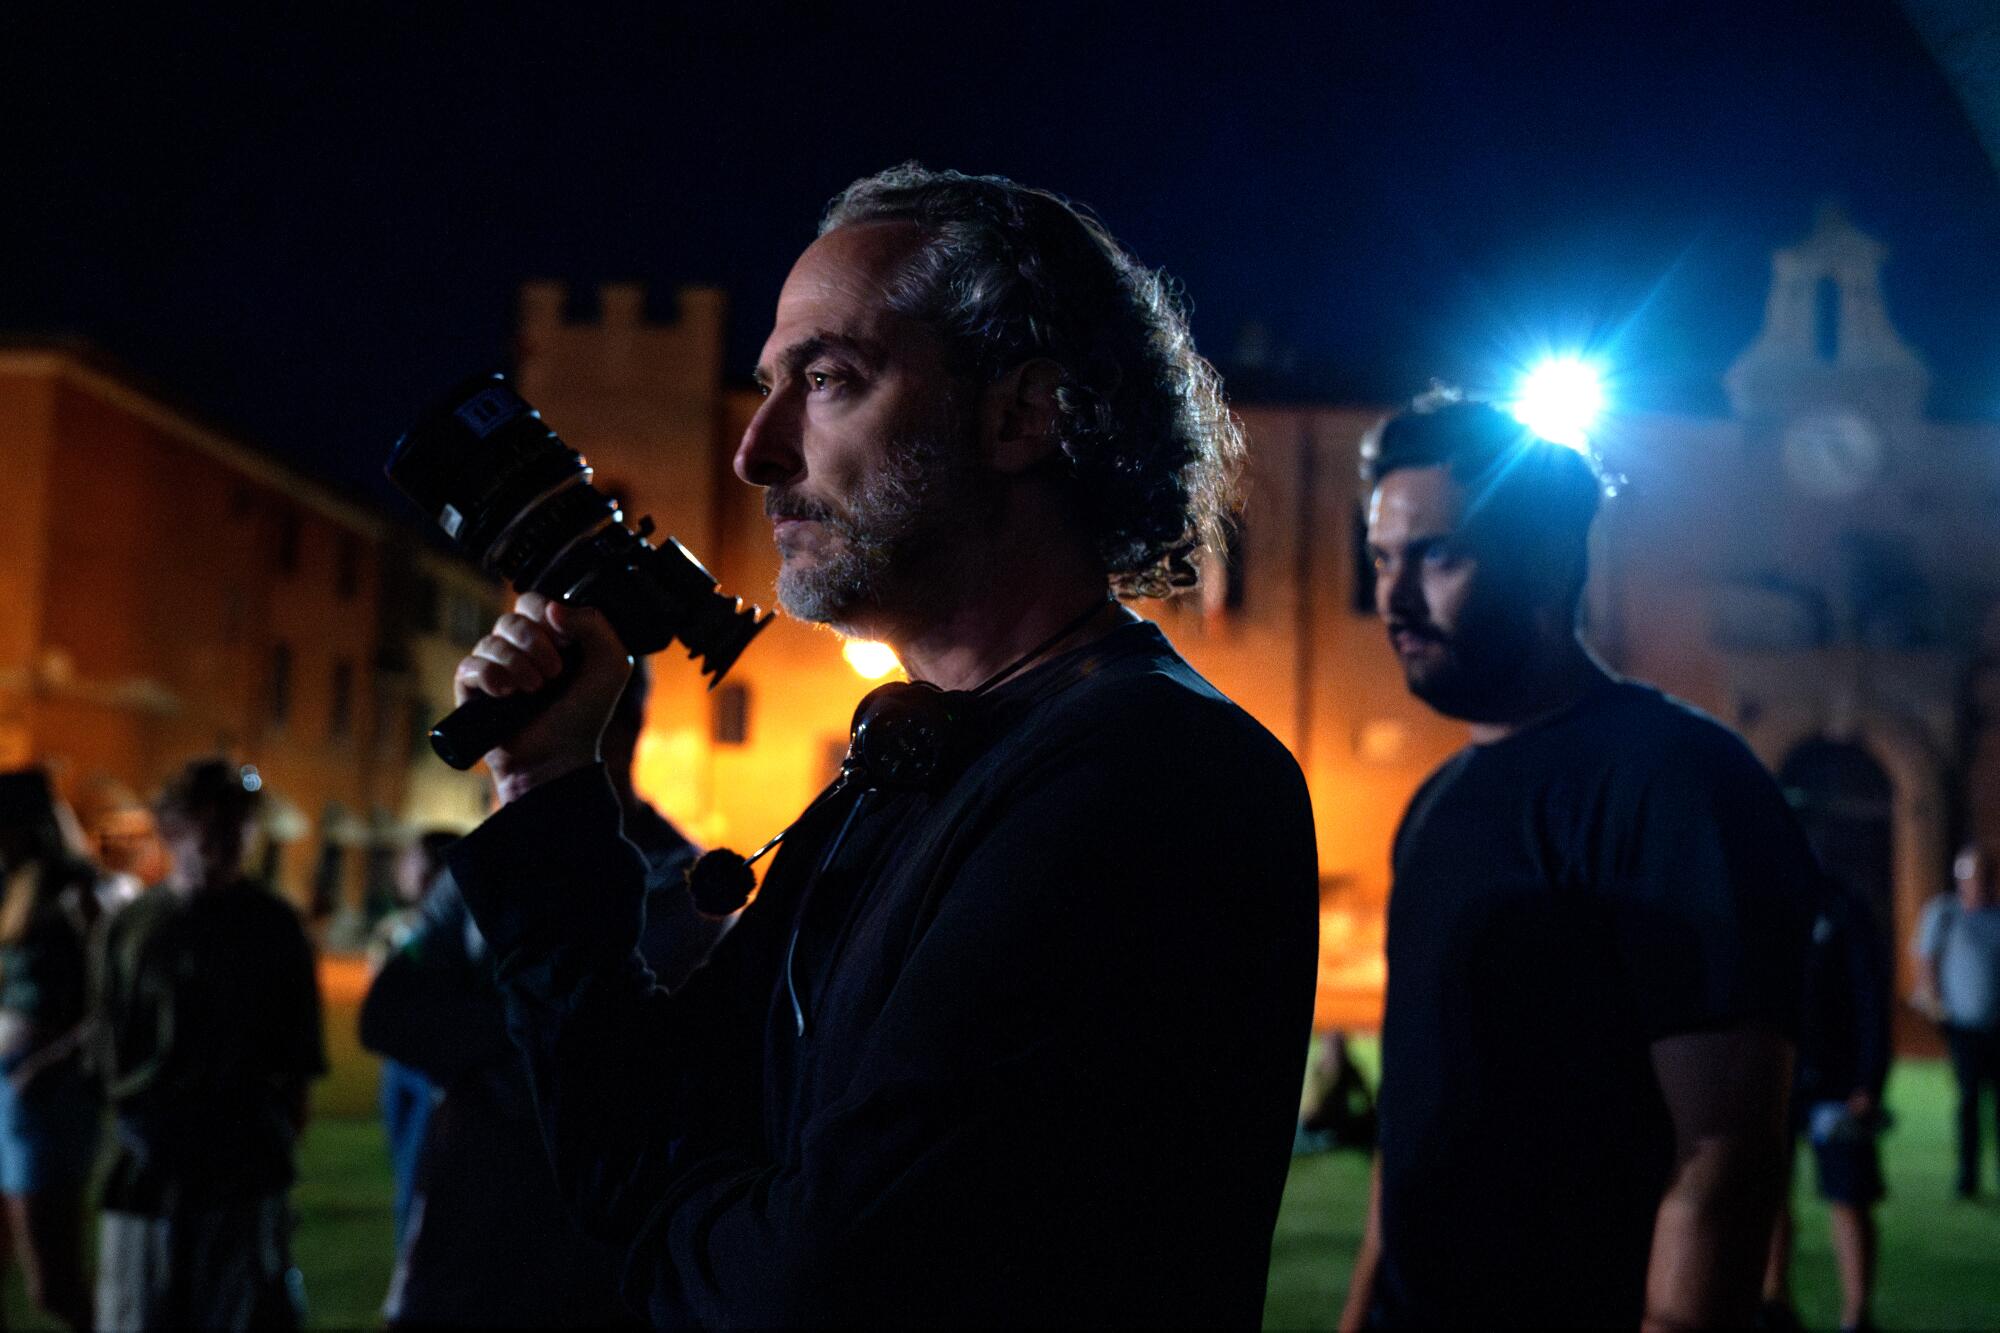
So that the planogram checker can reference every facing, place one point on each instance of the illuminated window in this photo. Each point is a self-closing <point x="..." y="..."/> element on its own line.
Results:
<point x="347" y="567"/>
<point x="732" y="715"/>
<point x="340" y="715"/>
<point x="279" y="685"/>
<point x="288" y="541"/>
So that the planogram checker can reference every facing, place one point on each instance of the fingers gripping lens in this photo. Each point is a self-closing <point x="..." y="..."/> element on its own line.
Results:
<point x="514" y="497"/>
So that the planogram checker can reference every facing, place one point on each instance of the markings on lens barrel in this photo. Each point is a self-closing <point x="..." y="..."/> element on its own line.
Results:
<point x="489" y="410"/>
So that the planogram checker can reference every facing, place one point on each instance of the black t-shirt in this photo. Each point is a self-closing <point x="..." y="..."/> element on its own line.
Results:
<point x="1623" y="872"/>
<point x="211" y="1023"/>
<point x="44" y="970"/>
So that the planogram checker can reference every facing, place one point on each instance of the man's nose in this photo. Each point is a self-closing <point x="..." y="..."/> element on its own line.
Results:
<point x="770" y="453"/>
<point x="1398" y="593"/>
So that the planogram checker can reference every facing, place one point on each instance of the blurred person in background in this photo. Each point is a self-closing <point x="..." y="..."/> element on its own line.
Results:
<point x="1958" y="984"/>
<point x="405" y="1095"/>
<point x="1336" y="1109"/>
<point x="676" y="939"/>
<point x="123" y="838"/>
<point x="1837" y="1107"/>
<point x="489" y="1242"/>
<point x="51" y="1110"/>
<point x="1597" y="933"/>
<point x="208" y="1037"/>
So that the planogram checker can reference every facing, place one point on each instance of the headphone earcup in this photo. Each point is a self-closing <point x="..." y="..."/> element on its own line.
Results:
<point x="907" y="736"/>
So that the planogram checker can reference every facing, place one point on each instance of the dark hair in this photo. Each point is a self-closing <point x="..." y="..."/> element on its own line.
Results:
<point x="207" y="791"/>
<point x="36" y="863"/>
<point x="1008" y="274"/>
<point x="1544" y="496"/>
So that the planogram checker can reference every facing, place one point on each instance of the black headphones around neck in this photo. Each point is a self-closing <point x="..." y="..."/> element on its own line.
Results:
<point x="906" y="736"/>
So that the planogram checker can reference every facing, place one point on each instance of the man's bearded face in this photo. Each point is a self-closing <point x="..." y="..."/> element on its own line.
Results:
<point x="867" y="442"/>
<point x="874" y="546"/>
<point x="1459" y="617"/>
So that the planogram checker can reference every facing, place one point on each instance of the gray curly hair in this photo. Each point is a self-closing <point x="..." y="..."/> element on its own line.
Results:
<point x="1008" y="274"/>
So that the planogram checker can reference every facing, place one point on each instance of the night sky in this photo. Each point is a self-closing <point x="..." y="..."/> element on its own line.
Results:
<point x="304" y="227"/>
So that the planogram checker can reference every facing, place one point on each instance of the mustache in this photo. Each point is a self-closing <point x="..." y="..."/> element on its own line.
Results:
<point x="783" y="504"/>
<point x="1416" y="630"/>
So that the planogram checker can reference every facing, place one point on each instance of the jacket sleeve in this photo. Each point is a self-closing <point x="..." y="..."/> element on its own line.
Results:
<point x="631" y="1084"/>
<point x="432" y="1007"/>
<point x="1021" y="1060"/>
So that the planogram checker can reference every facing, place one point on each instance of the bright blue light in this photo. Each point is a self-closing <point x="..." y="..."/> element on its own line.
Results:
<point x="1560" y="400"/>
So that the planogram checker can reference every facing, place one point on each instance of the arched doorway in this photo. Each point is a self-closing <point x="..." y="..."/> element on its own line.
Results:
<point x="1846" y="803"/>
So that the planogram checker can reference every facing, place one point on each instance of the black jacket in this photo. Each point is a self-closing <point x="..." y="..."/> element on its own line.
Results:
<point x="1054" y="1020"/>
<point x="490" y="1244"/>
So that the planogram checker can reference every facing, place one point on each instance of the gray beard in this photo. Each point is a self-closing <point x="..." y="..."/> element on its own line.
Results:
<point x="890" y="513"/>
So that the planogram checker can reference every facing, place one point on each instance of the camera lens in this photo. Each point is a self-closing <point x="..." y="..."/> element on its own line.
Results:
<point x="510" y="494"/>
<point x="481" y="461"/>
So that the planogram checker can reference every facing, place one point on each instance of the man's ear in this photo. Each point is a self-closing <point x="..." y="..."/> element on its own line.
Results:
<point x="1018" y="417"/>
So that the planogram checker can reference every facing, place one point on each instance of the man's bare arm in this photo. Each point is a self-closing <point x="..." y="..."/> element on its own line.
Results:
<point x="1726" y="1093"/>
<point x="1361" y="1286"/>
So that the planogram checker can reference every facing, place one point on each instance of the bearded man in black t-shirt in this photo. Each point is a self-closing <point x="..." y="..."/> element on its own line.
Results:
<point x="1596" y="934"/>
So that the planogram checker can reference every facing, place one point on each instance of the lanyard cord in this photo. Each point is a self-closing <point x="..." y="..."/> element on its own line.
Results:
<point x="1000" y="677"/>
<point x="833" y="847"/>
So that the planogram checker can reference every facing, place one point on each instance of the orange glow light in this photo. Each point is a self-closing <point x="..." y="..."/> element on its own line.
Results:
<point x="870" y="660"/>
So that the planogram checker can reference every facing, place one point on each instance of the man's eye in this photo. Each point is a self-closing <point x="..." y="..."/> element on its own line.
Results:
<point x="763" y="389"/>
<point x="1440" y="557"/>
<point x="819" y="379"/>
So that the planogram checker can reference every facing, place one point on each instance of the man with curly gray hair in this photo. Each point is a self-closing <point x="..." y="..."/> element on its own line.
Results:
<point x="1013" y="1042"/>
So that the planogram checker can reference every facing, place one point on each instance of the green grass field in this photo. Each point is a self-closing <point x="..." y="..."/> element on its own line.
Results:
<point x="1940" y="1264"/>
<point x="1940" y="1257"/>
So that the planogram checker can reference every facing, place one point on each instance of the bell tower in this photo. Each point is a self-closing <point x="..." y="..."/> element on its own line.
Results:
<point x="1827" y="342"/>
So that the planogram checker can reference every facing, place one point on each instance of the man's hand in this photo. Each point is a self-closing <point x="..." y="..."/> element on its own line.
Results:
<point x="524" y="653"/>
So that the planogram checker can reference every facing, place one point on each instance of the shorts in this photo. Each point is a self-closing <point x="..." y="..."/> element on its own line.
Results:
<point x="50" y="1131"/>
<point x="1849" y="1171"/>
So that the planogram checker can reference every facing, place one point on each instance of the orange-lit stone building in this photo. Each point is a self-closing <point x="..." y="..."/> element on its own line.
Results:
<point x="167" y="593"/>
<point x="1819" y="569"/>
